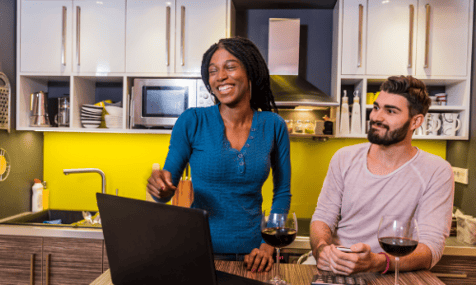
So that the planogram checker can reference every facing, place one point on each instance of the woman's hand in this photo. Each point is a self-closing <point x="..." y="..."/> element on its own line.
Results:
<point x="160" y="184"/>
<point x="261" y="259"/>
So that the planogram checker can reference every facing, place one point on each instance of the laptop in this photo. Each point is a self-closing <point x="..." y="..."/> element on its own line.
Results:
<point x="154" y="243"/>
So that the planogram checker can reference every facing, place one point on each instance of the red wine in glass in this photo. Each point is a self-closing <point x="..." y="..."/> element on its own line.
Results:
<point x="398" y="236"/>
<point x="278" y="230"/>
<point x="278" y="237"/>
<point x="398" y="246"/>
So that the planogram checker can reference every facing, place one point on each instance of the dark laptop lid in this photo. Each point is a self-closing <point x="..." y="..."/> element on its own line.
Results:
<point x="149" y="242"/>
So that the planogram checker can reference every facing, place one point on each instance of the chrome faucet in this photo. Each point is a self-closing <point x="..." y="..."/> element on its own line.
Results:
<point x="88" y="170"/>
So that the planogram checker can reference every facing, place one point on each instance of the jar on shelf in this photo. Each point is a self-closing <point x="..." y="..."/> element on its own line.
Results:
<point x="308" y="127"/>
<point x="298" y="127"/>
<point x="289" y="124"/>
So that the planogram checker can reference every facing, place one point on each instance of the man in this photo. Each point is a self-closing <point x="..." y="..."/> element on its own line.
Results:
<point x="386" y="176"/>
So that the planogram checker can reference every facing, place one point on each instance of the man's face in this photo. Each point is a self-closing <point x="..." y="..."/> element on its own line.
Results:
<point x="389" y="120"/>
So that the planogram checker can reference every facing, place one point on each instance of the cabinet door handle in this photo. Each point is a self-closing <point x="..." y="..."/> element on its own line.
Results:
<point x="427" y="35"/>
<point x="63" y="38"/>
<point x="32" y="269"/>
<point x="167" y="35"/>
<point x="78" y="35"/>
<point x="361" y="23"/>
<point x="410" y="40"/>
<point x="182" y="36"/>
<point x="48" y="269"/>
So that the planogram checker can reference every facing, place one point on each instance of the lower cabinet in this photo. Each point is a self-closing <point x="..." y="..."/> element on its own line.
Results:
<point x="49" y="261"/>
<point x="457" y="270"/>
<point x="20" y="260"/>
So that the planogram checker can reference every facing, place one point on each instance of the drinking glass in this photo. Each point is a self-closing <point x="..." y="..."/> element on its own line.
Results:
<point x="278" y="230"/>
<point x="398" y="236"/>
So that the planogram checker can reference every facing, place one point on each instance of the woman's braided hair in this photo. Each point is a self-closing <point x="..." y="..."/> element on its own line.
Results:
<point x="255" y="66"/>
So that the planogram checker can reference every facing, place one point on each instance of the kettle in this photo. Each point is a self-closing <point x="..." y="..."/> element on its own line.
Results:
<point x="39" y="110"/>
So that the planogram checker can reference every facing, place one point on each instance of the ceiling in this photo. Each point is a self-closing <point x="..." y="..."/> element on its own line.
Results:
<point x="284" y="4"/>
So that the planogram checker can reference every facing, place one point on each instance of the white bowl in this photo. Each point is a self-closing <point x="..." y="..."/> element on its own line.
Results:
<point x="114" y="110"/>
<point x="113" y="121"/>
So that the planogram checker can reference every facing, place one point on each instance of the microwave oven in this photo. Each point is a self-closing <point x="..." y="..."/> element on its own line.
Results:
<point x="157" y="103"/>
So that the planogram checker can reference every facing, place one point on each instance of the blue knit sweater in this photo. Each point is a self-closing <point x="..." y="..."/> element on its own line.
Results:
<point x="227" y="183"/>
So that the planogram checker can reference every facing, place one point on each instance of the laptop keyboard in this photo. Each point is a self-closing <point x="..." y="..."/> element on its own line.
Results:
<point x="331" y="278"/>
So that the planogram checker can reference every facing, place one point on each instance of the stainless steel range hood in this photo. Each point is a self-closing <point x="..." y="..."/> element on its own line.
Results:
<point x="290" y="89"/>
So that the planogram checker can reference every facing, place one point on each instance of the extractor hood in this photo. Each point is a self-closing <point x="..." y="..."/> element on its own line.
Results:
<point x="290" y="89"/>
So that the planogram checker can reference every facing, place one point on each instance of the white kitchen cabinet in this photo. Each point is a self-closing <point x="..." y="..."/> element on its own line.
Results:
<point x="199" y="24"/>
<point x="150" y="37"/>
<point x="423" y="38"/>
<point x="171" y="36"/>
<point x="442" y="43"/>
<point x="354" y="30"/>
<point x="391" y="37"/>
<point x="45" y="35"/>
<point x="99" y="36"/>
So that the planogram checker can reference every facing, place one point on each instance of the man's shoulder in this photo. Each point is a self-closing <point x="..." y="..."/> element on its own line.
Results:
<point x="430" y="159"/>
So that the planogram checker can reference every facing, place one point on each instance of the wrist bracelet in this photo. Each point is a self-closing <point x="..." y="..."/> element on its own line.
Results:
<point x="388" y="262"/>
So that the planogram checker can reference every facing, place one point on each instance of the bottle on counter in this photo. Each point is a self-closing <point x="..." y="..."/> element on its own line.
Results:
<point x="289" y="124"/>
<point x="308" y="127"/>
<point x="37" y="197"/>
<point x="298" y="128"/>
<point x="356" y="128"/>
<point x="344" y="115"/>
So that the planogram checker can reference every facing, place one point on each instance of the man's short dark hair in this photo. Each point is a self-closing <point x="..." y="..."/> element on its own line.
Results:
<point x="414" y="90"/>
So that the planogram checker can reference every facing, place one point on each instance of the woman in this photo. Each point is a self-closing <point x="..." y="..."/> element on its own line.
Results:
<point x="231" y="147"/>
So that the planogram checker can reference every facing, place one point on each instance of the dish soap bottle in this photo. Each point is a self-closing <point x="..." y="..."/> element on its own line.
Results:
<point x="356" y="127"/>
<point x="37" y="197"/>
<point x="344" y="115"/>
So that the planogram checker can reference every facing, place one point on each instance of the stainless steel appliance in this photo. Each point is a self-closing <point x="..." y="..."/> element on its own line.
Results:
<point x="62" y="118"/>
<point x="159" y="102"/>
<point x="39" y="110"/>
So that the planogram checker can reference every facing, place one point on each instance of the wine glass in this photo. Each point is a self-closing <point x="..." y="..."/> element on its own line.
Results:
<point x="398" y="236"/>
<point x="278" y="230"/>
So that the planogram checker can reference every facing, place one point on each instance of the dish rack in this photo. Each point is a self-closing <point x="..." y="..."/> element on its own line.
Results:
<point x="5" y="99"/>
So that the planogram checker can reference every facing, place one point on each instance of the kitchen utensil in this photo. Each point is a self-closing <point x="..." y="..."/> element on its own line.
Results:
<point x="87" y="217"/>
<point x="39" y="110"/>
<point x="62" y="118"/>
<point x="434" y="123"/>
<point x="184" y="194"/>
<point x="5" y="99"/>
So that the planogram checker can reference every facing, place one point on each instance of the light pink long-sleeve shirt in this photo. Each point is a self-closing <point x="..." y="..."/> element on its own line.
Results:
<point x="353" y="200"/>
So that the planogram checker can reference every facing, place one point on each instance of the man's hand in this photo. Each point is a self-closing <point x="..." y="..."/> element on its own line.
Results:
<point x="160" y="184"/>
<point x="261" y="259"/>
<point x="360" y="260"/>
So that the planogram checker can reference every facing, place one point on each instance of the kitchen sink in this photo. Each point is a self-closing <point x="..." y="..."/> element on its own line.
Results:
<point x="69" y="218"/>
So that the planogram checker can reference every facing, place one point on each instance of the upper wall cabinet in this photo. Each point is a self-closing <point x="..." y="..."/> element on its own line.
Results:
<point x="410" y="37"/>
<point x="167" y="36"/>
<point x="99" y="36"/>
<point x="46" y="36"/>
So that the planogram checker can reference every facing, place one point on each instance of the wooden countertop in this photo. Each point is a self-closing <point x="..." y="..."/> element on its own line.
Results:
<point x="302" y="275"/>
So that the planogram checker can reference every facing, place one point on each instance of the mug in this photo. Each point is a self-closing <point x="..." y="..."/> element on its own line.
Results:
<point x="450" y="124"/>
<point x="434" y="123"/>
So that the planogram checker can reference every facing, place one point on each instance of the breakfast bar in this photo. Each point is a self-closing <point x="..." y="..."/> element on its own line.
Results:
<point x="303" y="274"/>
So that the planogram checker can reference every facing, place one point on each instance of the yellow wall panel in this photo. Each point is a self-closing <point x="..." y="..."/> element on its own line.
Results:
<point x="127" y="159"/>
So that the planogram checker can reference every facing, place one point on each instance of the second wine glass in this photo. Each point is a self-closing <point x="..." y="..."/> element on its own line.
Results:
<point x="278" y="230"/>
<point x="398" y="236"/>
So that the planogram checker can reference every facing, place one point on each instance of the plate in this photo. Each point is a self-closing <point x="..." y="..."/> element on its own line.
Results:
<point x="90" y="126"/>
<point x="91" y="122"/>
<point x="92" y="106"/>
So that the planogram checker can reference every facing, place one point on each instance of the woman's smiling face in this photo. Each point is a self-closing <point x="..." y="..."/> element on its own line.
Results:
<point x="228" y="79"/>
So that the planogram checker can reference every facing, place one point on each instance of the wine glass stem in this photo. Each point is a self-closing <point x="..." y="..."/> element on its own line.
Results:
<point x="277" y="264"/>
<point x="396" y="270"/>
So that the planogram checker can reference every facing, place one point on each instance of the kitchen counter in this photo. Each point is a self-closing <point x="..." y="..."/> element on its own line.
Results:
<point x="303" y="274"/>
<point x="48" y="231"/>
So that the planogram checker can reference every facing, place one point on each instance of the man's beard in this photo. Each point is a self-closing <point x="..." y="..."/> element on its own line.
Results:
<point x="390" y="137"/>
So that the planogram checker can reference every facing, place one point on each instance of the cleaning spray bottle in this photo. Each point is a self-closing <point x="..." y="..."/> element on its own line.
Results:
<point x="356" y="126"/>
<point x="37" y="197"/>
<point x="344" y="115"/>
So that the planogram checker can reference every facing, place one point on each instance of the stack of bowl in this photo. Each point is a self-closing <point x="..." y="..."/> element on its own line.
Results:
<point x="114" y="117"/>
<point x="91" y="116"/>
